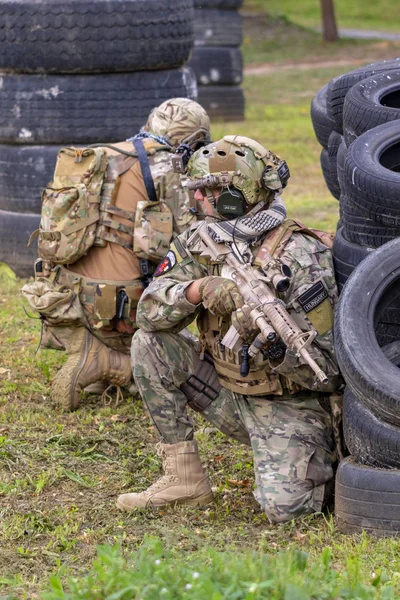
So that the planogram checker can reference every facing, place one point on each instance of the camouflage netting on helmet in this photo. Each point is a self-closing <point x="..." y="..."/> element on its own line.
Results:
<point x="241" y="162"/>
<point x="179" y="120"/>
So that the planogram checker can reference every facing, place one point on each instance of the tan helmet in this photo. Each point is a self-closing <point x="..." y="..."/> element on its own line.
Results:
<point x="240" y="163"/>
<point x="179" y="121"/>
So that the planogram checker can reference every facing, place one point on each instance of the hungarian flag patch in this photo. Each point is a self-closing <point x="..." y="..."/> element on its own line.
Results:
<point x="166" y="264"/>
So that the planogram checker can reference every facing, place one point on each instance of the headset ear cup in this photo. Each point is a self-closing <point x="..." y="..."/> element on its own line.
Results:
<point x="275" y="178"/>
<point x="231" y="203"/>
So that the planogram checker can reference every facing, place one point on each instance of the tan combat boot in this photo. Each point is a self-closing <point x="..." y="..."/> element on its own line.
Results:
<point x="89" y="361"/>
<point x="184" y="480"/>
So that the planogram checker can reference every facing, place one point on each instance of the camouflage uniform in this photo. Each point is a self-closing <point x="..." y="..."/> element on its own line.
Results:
<point x="120" y="232"/>
<point x="290" y="434"/>
<point x="281" y="408"/>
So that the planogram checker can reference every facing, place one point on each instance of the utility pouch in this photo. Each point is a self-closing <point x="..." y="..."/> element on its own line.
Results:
<point x="153" y="230"/>
<point x="105" y="302"/>
<point x="57" y="304"/>
<point x="70" y="205"/>
<point x="203" y="386"/>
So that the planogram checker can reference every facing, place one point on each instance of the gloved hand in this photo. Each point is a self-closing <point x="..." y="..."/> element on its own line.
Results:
<point x="277" y="351"/>
<point x="243" y="323"/>
<point x="220" y="295"/>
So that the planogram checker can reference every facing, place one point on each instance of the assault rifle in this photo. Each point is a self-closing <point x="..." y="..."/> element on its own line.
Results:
<point x="269" y="313"/>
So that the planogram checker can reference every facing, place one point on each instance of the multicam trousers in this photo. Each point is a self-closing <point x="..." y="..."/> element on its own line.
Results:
<point x="290" y="436"/>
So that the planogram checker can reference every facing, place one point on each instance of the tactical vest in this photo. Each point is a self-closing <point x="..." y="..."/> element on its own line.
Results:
<point x="260" y="380"/>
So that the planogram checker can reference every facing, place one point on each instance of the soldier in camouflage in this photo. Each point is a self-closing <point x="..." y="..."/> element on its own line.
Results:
<point x="109" y="277"/>
<point x="280" y="407"/>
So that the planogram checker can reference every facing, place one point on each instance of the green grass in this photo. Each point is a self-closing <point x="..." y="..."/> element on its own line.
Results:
<point x="60" y="473"/>
<point x="155" y="572"/>
<point x="358" y="14"/>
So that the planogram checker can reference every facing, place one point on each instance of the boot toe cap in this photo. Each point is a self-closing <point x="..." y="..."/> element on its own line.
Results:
<point x="131" y="501"/>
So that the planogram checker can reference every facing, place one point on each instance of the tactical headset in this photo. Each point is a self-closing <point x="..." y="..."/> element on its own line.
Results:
<point x="231" y="201"/>
<point x="238" y="190"/>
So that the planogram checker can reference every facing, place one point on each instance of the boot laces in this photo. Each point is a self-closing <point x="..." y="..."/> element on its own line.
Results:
<point x="107" y="399"/>
<point x="169" y="475"/>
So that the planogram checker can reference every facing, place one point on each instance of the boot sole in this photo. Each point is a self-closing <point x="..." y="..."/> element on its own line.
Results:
<point x="200" y="501"/>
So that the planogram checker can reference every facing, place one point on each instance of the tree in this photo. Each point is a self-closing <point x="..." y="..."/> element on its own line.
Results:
<point x="329" y="28"/>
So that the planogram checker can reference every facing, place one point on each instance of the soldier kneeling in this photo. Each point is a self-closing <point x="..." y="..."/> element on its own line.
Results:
<point x="107" y="220"/>
<point x="270" y="398"/>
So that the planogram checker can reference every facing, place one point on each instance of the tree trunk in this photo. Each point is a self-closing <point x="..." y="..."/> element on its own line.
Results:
<point x="329" y="29"/>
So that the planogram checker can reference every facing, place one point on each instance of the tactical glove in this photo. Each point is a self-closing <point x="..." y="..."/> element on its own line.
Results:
<point x="220" y="295"/>
<point x="277" y="351"/>
<point x="243" y="323"/>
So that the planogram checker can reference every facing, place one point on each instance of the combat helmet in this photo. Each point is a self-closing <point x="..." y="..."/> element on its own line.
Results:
<point x="179" y="121"/>
<point x="247" y="172"/>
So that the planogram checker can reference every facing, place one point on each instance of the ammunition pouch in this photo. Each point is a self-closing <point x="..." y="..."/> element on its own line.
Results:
<point x="203" y="386"/>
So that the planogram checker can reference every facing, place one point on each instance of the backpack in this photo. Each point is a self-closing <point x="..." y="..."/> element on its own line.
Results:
<point x="78" y="206"/>
<point x="71" y="205"/>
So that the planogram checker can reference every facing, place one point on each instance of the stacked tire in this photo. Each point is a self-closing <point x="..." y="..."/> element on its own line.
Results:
<point x="349" y="116"/>
<point x="357" y="116"/>
<point x="367" y="340"/>
<point x="78" y="73"/>
<point x="217" y="58"/>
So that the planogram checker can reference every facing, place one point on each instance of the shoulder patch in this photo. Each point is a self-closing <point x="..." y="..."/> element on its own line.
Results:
<point x="313" y="297"/>
<point x="167" y="263"/>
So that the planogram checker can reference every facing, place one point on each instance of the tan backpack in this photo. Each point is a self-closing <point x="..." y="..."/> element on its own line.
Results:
<point x="78" y="206"/>
<point x="70" y="205"/>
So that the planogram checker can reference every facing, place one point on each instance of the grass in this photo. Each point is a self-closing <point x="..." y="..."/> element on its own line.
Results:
<point x="383" y="15"/>
<point x="155" y="572"/>
<point x="60" y="473"/>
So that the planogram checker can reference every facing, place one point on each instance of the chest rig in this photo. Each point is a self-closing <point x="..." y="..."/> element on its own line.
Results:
<point x="261" y="380"/>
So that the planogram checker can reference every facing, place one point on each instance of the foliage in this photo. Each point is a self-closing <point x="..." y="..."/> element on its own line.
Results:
<point x="152" y="573"/>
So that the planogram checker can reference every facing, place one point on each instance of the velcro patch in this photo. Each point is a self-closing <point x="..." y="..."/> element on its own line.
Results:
<point x="313" y="297"/>
<point x="166" y="264"/>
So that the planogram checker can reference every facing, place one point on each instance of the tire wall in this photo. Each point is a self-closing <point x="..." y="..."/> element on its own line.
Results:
<point x="217" y="59"/>
<point x="78" y="73"/>
<point x="356" y="119"/>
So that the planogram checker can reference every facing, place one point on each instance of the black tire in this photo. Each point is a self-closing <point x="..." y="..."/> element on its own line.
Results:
<point x="339" y="86"/>
<point x="367" y="499"/>
<point x="371" y="441"/>
<point x="24" y="172"/>
<point x="217" y="28"/>
<point x="361" y="229"/>
<point x="94" y="35"/>
<point x="222" y="102"/>
<point x="82" y="109"/>
<point x="328" y="167"/>
<point x="372" y="174"/>
<point x="340" y="163"/>
<point x="225" y="4"/>
<point x="15" y="229"/>
<point x="322" y="123"/>
<point x="346" y="256"/>
<point x="372" y="289"/>
<point x="371" y="102"/>
<point x="217" y="66"/>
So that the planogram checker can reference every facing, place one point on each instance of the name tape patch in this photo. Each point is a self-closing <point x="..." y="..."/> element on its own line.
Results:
<point x="166" y="264"/>
<point x="313" y="297"/>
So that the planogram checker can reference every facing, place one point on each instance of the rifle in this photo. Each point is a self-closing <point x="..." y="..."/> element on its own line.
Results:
<point x="269" y="313"/>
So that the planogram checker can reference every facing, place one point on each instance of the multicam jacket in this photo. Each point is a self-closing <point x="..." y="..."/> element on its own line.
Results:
<point x="310" y="300"/>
